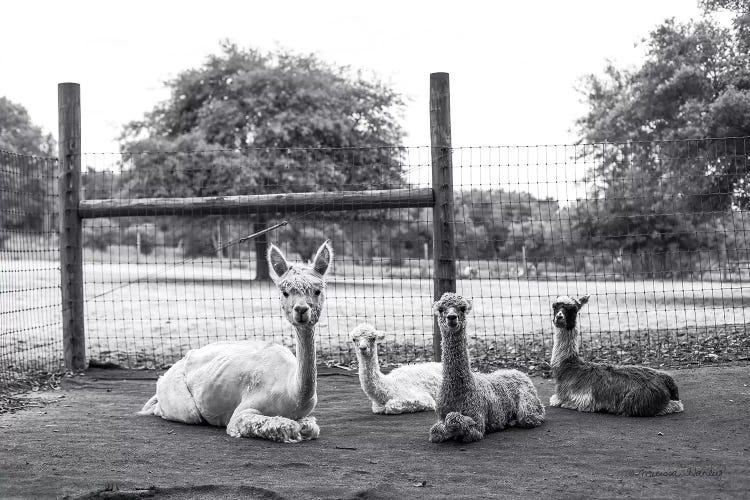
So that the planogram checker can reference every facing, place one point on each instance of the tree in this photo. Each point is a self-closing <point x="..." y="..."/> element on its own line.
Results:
<point x="500" y="224"/>
<point x="26" y="171"/>
<point x="286" y="122"/>
<point x="19" y="135"/>
<point x="740" y="21"/>
<point x="658" y="179"/>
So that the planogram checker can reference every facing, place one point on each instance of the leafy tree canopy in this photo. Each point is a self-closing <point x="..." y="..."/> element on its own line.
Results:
<point x="248" y="122"/>
<point x="656" y="171"/>
<point x="26" y="175"/>
<point x="288" y="114"/>
<point x="19" y="135"/>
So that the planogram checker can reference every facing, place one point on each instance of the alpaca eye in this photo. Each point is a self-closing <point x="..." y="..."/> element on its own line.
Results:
<point x="462" y="309"/>
<point x="286" y="294"/>
<point x="317" y="292"/>
<point x="441" y="310"/>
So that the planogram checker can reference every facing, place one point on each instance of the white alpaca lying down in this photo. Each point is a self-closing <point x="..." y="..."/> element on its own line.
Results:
<point x="407" y="389"/>
<point x="255" y="389"/>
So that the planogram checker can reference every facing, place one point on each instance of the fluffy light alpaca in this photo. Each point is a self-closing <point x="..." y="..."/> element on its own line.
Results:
<point x="471" y="403"/>
<point x="407" y="389"/>
<point x="634" y="391"/>
<point x="255" y="389"/>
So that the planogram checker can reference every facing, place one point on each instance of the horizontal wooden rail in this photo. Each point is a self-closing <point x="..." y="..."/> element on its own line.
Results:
<point x="260" y="203"/>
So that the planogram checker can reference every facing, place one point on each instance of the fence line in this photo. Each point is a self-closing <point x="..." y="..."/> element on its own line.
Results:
<point x="667" y="294"/>
<point x="199" y="270"/>
<point x="514" y="253"/>
<point x="30" y="338"/>
<point x="656" y="233"/>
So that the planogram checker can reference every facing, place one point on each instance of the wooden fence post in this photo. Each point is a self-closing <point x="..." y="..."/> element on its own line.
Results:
<point x="443" y="238"/>
<point x="71" y="248"/>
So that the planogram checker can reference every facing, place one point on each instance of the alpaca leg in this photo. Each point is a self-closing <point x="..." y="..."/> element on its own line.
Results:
<point x="248" y="422"/>
<point x="672" y="407"/>
<point x="582" y="401"/>
<point x="427" y="403"/>
<point x="464" y="427"/>
<point x="530" y="411"/>
<point x="378" y="408"/>
<point x="173" y="398"/>
<point x="439" y="433"/>
<point x="151" y="407"/>
<point x="639" y="403"/>
<point x="555" y="401"/>
<point x="308" y="428"/>
<point x="570" y="405"/>
<point x="396" y="406"/>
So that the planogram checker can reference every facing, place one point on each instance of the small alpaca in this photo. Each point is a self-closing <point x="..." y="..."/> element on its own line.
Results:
<point x="406" y="389"/>
<point x="470" y="403"/>
<point x="634" y="391"/>
<point x="254" y="388"/>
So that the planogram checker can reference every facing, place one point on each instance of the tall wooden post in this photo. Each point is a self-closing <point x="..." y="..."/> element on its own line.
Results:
<point x="71" y="248"/>
<point x="443" y="240"/>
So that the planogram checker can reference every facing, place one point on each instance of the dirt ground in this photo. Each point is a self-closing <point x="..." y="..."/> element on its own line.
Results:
<point x="89" y="443"/>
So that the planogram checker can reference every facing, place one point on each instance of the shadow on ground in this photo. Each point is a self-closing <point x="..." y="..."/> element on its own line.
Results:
<point x="87" y="442"/>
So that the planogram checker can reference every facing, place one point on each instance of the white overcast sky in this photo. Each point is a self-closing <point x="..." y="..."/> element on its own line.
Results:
<point x="513" y="64"/>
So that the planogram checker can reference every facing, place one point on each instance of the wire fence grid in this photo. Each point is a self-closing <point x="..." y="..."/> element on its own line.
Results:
<point x="30" y="302"/>
<point x="654" y="232"/>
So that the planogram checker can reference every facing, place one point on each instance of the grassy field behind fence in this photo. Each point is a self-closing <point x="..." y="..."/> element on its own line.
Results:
<point x="169" y="310"/>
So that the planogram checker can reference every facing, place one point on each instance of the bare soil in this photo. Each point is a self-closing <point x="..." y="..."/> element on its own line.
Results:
<point x="87" y="442"/>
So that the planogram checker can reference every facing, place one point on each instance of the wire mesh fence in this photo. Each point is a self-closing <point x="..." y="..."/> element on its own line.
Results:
<point x="654" y="232"/>
<point x="30" y="338"/>
<point x="189" y="281"/>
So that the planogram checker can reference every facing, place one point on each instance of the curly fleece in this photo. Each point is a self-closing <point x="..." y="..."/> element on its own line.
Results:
<point x="470" y="403"/>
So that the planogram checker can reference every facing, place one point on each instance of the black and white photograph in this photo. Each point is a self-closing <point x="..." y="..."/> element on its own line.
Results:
<point x="391" y="250"/>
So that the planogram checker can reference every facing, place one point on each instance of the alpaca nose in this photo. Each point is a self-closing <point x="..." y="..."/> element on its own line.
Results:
<point x="301" y="308"/>
<point x="452" y="317"/>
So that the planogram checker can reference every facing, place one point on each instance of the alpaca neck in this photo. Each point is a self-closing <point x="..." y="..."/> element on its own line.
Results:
<point x="456" y="365"/>
<point x="565" y="347"/>
<point x="307" y="370"/>
<point x="370" y="376"/>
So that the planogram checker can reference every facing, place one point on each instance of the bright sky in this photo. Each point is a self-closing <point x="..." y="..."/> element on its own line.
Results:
<point x="513" y="65"/>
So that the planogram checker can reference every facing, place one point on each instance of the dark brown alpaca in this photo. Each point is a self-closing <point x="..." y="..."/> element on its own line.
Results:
<point x="634" y="391"/>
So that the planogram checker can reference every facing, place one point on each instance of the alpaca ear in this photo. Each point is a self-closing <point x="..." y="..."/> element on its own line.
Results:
<point x="323" y="257"/>
<point x="583" y="300"/>
<point x="435" y="308"/>
<point x="469" y="305"/>
<point x="277" y="263"/>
